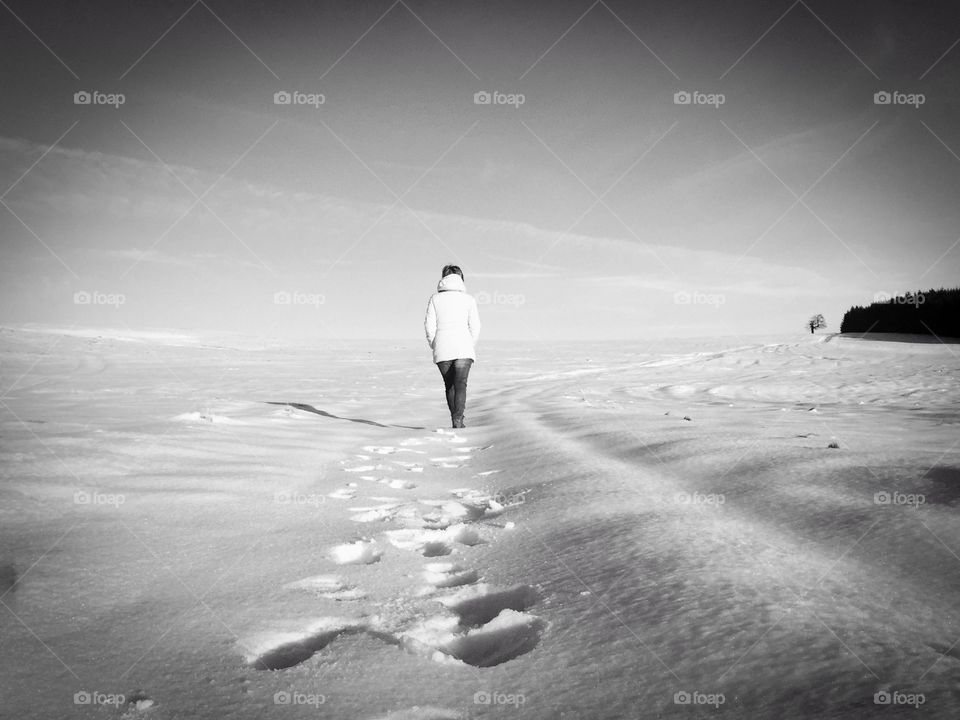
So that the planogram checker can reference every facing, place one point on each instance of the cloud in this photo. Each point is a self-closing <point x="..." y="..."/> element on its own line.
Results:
<point x="190" y="260"/>
<point x="514" y="275"/>
<point x="812" y="151"/>
<point x="120" y="207"/>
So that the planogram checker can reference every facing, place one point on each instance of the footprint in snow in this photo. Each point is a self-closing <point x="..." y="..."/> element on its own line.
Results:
<point x="361" y="552"/>
<point x="380" y="449"/>
<point x="379" y="512"/>
<point x="432" y="542"/>
<point x="281" y="650"/>
<point x="397" y="484"/>
<point x="455" y="510"/>
<point x="480" y="604"/>
<point x="448" y="575"/>
<point x="507" y="635"/>
<point x="344" y="493"/>
<point x="327" y="586"/>
<point x="484" y="627"/>
<point x="435" y="548"/>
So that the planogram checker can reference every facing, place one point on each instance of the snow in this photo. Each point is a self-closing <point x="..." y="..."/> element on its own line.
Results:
<point x="208" y="528"/>
<point x="360" y="552"/>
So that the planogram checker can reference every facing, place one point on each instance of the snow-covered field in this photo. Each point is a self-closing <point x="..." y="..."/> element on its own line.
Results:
<point x="209" y="528"/>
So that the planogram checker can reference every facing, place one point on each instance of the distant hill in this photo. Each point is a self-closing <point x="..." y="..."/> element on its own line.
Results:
<point x="934" y="312"/>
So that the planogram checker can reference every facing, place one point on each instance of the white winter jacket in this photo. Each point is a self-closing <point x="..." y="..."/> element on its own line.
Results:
<point x="452" y="323"/>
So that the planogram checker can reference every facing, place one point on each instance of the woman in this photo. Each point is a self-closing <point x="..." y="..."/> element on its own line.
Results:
<point x="452" y="325"/>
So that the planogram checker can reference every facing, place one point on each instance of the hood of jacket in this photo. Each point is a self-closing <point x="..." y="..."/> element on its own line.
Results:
<point x="451" y="282"/>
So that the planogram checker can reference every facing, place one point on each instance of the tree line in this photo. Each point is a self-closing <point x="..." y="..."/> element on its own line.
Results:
<point x="934" y="312"/>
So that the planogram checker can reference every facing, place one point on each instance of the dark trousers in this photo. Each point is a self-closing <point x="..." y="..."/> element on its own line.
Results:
<point x="455" y="373"/>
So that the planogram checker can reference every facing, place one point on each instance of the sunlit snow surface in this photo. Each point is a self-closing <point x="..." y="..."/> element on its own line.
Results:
<point x="227" y="527"/>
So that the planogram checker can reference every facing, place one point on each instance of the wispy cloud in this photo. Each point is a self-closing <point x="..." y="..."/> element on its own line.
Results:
<point x="115" y="207"/>
<point x="158" y="257"/>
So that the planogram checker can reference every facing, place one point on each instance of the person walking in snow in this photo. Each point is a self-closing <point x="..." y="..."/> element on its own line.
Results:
<point x="452" y="325"/>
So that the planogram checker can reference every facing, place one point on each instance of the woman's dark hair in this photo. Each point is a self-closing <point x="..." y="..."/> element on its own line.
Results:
<point x="450" y="270"/>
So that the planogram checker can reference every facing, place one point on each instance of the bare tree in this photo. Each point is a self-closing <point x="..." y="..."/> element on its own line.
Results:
<point x="816" y="322"/>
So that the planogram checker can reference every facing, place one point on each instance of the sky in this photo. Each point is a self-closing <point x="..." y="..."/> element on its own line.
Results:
<point x="587" y="200"/>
